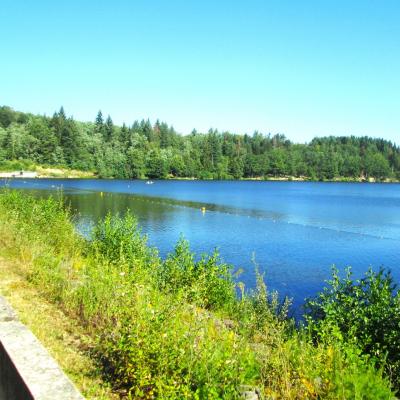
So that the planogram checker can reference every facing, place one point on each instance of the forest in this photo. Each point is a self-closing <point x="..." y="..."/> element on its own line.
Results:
<point x="156" y="151"/>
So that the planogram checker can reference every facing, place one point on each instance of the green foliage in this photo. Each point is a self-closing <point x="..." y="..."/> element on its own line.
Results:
<point x="175" y="351"/>
<point x="156" y="165"/>
<point x="27" y="219"/>
<point x="174" y="329"/>
<point x="20" y="165"/>
<point x="295" y="368"/>
<point x="265" y="306"/>
<point x="363" y="312"/>
<point x="8" y="116"/>
<point x="207" y="283"/>
<point x="119" y="240"/>
<point x="143" y="150"/>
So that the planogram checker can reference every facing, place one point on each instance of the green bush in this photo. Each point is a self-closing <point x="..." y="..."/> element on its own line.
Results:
<point x="119" y="240"/>
<point x="363" y="312"/>
<point x="207" y="283"/>
<point x="264" y="307"/>
<point x="170" y="350"/>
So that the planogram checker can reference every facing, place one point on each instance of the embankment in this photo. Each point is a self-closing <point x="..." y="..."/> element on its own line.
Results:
<point x="174" y="328"/>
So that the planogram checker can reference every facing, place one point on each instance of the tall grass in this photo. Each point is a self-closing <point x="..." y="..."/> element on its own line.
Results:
<point x="175" y="328"/>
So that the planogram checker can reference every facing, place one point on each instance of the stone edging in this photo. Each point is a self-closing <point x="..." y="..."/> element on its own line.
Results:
<point x="27" y="371"/>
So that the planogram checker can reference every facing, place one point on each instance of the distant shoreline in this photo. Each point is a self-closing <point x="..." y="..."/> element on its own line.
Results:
<point x="62" y="173"/>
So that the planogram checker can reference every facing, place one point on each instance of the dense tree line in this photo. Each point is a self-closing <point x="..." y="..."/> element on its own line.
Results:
<point x="146" y="150"/>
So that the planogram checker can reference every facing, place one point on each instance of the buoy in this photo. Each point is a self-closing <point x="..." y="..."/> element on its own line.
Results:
<point x="101" y="194"/>
<point x="203" y="210"/>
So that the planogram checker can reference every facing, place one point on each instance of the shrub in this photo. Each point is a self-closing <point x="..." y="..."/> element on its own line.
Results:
<point x="170" y="350"/>
<point x="363" y="312"/>
<point x="207" y="283"/>
<point x="120" y="241"/>
<point x="266" y="307"/>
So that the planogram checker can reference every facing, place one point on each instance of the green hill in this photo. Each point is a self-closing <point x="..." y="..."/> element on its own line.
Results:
<point x="157" y="151"/>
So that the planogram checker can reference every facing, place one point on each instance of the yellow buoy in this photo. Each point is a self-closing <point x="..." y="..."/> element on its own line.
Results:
<point x="203" y="210"/>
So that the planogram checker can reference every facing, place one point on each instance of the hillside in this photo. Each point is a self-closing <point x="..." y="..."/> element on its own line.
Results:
<point x="157" y="151"/>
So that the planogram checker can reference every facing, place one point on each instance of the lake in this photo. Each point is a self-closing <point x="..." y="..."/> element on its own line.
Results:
<point x="295" y="231"/>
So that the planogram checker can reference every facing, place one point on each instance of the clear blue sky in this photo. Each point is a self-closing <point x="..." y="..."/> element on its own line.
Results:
<point x="302" y="68"/>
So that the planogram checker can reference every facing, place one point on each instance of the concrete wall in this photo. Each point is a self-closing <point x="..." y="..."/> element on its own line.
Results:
<point x="27" y="371"/>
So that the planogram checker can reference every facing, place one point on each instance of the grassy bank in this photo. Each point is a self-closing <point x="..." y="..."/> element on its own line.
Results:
<point x="62" y="336"/>
<point x="176" y="328"/>
<point x="44" y="171"/>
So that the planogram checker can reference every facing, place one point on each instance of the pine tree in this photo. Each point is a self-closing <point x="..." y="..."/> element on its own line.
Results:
<point x="99" y="119"/>
<point x="109" y="129"/>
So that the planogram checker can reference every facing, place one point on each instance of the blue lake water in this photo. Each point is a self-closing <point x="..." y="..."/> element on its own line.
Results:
<point x="295" y="230"/>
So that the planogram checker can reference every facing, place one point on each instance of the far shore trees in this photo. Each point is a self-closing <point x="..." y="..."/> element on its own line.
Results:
<point x="156" y="151"/>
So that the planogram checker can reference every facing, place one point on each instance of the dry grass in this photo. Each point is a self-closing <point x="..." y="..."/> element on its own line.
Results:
<point x="61" y="336"/>
<point x="62" y="173"/>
